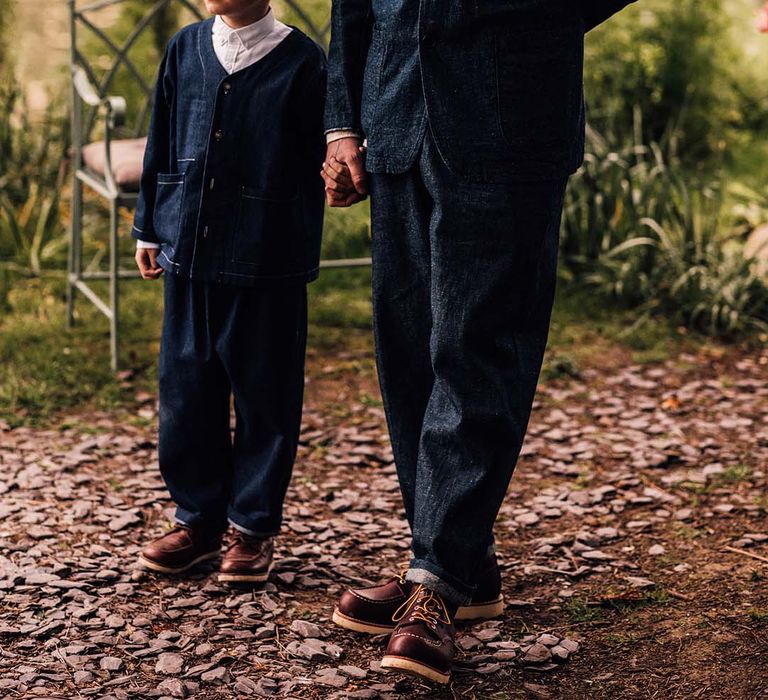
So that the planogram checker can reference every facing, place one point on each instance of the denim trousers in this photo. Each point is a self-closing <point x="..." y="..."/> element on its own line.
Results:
<point x="463" y="285"/>
<point x="223" y="344"/>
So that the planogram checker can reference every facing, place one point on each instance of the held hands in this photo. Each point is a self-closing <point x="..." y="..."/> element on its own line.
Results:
<point x="344" y="173"/>
<point x="146" y="261"/>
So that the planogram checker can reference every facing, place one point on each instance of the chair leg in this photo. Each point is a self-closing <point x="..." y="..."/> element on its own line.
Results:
<point x="75" y="260"/>
<point x="114" y="279"/>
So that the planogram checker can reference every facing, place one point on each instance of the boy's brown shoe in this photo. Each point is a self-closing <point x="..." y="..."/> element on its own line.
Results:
<point x="423" y="641"/>
<point x="180" y="549"/>
<point x="249" y="560"/>
<point x="371" y="609"/>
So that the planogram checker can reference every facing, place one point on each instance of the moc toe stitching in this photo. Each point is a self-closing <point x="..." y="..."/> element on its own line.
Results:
<point x="433" y="642"/>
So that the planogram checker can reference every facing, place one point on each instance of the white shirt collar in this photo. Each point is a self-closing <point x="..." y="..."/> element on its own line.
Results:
<point x="249" y="35"/>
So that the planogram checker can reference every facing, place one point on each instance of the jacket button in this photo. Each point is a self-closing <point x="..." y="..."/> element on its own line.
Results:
<point x="218" y="135"/>
<point x="226" y="87"/>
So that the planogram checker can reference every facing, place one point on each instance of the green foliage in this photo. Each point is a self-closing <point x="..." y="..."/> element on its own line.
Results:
<point x="312" y="16"/>
<point x="680" y="64"/>
<point x="640" y="230"/>
<point x="6" y="17"/>
<point x="347" y="232"/>
<point x="33" y="168"/>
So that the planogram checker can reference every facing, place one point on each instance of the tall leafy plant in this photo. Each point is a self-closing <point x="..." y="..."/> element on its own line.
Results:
<point x="640" y="230"/>
<point x="33" y="164"/>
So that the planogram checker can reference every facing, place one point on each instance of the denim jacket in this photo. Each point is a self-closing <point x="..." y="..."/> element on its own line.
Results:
<point x="498" y="82"/>
<point x="231" y="188"/>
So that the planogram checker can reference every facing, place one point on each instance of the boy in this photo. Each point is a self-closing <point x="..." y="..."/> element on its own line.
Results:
<point x="231" y="209"/>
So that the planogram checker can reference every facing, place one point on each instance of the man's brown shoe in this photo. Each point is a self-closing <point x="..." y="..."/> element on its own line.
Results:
<point x="423" y="641"/>
<point x="180" y="549"/>
<point x="249" y="560"/>
<point x="370" y="610"/>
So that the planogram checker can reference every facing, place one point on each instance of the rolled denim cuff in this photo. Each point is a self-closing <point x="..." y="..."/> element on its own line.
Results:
<point x="195" y="521"/>
<point x="241" y="524"/>
<point x="439" y="581"/>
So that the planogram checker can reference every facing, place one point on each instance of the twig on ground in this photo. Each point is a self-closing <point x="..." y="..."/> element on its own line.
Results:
<point x="744" y="553"/>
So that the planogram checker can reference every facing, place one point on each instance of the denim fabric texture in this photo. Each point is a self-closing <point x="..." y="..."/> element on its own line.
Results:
<point x="221" y="342"/>
<point x="231" y="188"/>
<point x="498" y="81"/>
<point x="463" y="285"/>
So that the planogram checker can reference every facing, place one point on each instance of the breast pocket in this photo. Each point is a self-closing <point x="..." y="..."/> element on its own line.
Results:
<point x="192" y="126"/>
<point x="539" y="83"/>
<point x="269" y="232"/>
<point x="168" y="207"/>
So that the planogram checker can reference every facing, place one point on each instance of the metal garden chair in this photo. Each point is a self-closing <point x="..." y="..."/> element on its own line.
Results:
<point x="107" y="150"/>
<point x="108" y="133"/>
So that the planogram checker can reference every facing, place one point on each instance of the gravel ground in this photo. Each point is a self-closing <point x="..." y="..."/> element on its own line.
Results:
<point x="633" y="543"/>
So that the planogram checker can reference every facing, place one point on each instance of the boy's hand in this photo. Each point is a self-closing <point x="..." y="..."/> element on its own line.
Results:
<point x="146" y="260"/>
<point x="344" y="173"/>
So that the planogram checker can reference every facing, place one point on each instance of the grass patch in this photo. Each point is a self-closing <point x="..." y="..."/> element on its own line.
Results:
<point x="654" y="596"/>
<point x="579" y="611"/>
<point x="758" y="616"/>
<point x="47" y="370"/>
<point x="615" y="639"/>
<point x="735" y="474"/>
<point x="687" y="532"/>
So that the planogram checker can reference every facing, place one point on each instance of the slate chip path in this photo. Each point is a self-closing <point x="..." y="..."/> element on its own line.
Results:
<point x="609" y="466"/>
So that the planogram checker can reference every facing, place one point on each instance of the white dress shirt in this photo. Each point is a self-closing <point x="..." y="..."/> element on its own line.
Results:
<point x="239" y="48"/>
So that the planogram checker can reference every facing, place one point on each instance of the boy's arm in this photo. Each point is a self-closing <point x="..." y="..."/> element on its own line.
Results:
<point x="310" y="104"/>
<point x="597" y="11"/>
<point x="351" y="24"/>
<point x="156" y="157"/>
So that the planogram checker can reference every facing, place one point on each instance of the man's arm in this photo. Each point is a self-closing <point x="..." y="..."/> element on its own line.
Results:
<point x="343" y="169"/>
<point x="351" y="24"/>
<point x="597" y="11"/>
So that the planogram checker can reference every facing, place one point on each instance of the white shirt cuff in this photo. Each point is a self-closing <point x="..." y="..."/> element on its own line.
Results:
<point x="337" y="134"/>
<point x="146" y="244"/>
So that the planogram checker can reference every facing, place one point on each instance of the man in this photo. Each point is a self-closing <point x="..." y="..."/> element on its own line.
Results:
<point x="474" y="119"/>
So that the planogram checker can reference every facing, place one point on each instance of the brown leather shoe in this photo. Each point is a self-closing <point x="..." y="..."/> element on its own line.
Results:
<point x="249" y="560"/>
<point x="180" y="549"/>
<point x="487" y="600"/>
<point x="423" y="641"/>
<point x="370" y="610"/>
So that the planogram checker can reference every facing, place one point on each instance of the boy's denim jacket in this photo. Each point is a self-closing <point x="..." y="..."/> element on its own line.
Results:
<point x="231" y="188"/>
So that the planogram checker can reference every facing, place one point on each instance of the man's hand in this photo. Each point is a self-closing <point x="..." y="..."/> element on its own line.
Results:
<point x="346" y="182"/>
<point x="146" y="260"/>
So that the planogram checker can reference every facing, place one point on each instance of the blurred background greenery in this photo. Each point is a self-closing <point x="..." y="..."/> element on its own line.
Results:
<point x="654" y="231"/>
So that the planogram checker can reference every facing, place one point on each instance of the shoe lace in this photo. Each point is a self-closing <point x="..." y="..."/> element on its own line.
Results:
<point x="424" y="605"/>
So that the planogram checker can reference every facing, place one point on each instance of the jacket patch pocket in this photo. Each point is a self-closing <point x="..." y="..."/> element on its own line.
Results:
<point x="269" y="232"/>
<point x="192" y="126"/>
<point x="168" y="207"/>
<point x="539" y="83"/>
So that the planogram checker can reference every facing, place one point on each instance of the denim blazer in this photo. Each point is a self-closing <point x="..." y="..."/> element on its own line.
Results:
<point x="231" y="187"/>
<point x="498" y="82"/>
